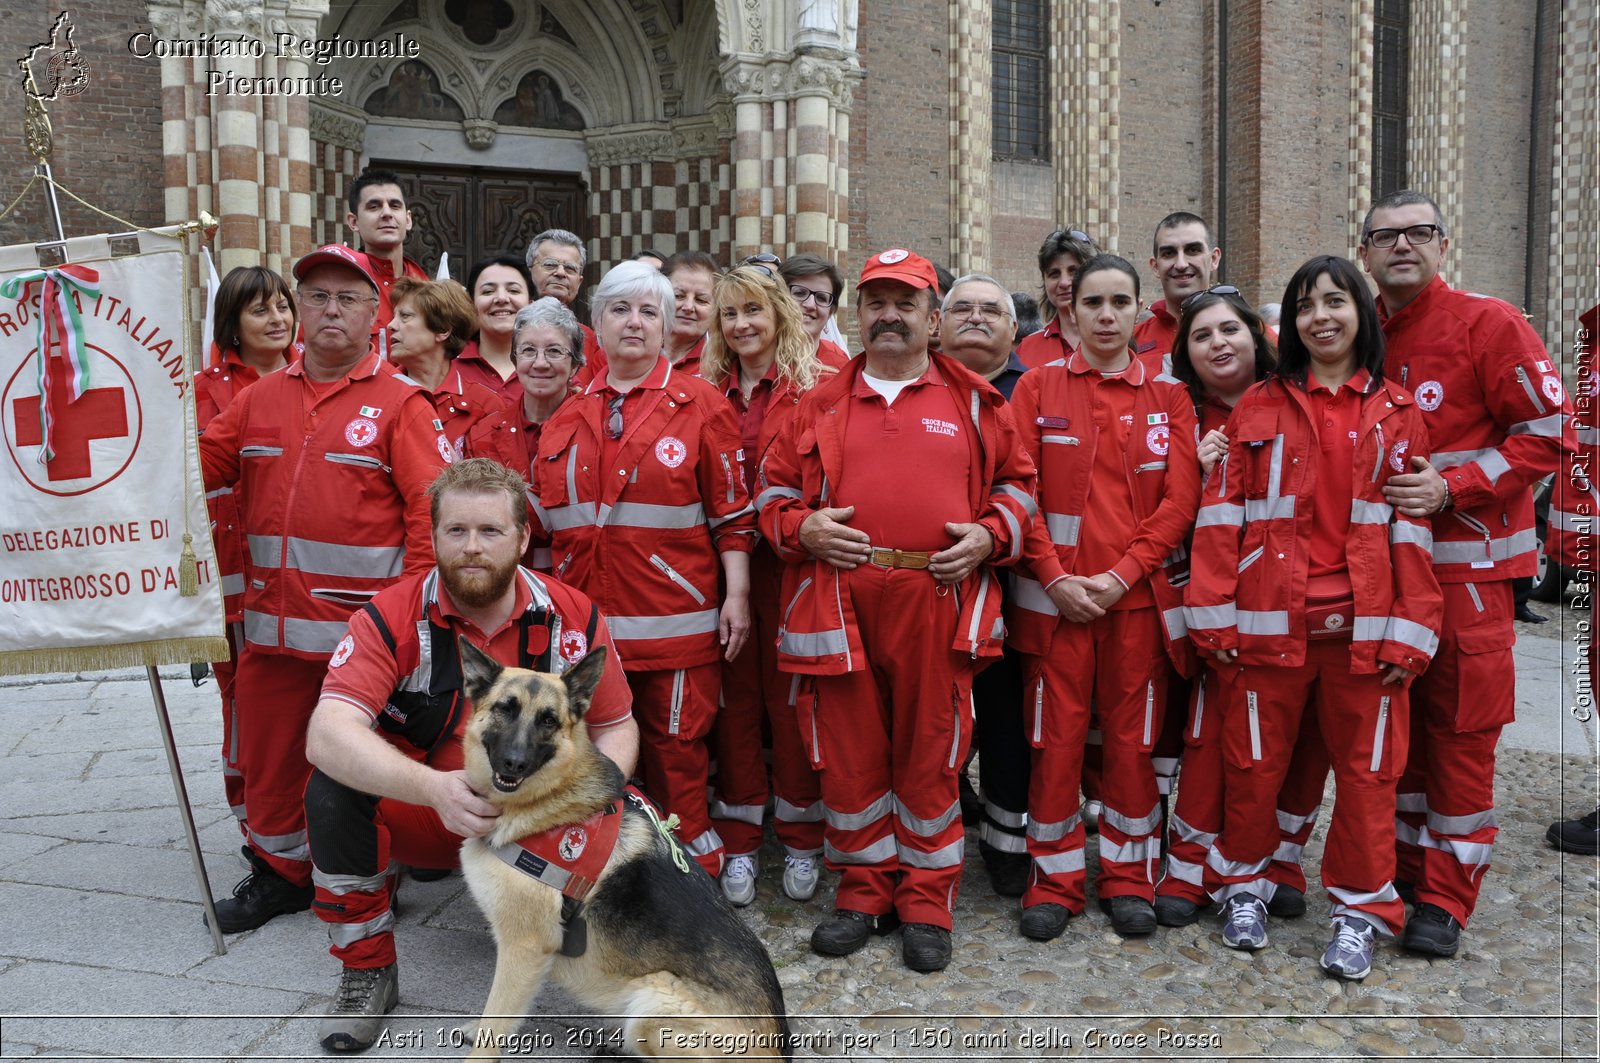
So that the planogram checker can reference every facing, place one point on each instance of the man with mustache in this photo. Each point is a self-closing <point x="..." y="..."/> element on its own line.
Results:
<point x="980" y="331"/>
<point x="386" y="735"/>
<point x="902" y="477"/>
<point x="1184" y="257"/>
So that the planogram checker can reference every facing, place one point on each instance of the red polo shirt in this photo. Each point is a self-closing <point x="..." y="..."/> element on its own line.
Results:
<point x="1336" y="420"/>
<point x="1109" y="523"/>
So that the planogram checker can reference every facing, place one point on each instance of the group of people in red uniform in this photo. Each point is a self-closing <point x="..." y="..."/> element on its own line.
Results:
<point x="1175" y="539"/>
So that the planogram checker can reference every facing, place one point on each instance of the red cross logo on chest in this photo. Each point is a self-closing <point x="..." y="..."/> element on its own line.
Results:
<point x="671" y="452"/>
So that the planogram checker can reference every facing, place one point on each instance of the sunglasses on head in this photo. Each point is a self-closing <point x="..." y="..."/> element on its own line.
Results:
<point x="766" y="263"/>
<point x="1073" y="234"/>
<point x="1221" y="289"/>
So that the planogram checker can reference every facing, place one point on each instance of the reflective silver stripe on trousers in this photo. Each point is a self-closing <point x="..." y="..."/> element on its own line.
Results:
<point x="1235" y="868"/>
<point x="1136" y="851"/>
<point x="649" y="515"/>
<point x="1468" y="854"/>
<point x="1263" y="622"/>
<point x="329" y="559"/>
<point x="878" y="852"/>
<point x="1292" y="824"/>
<point x="1004" y="841"/>
<point x="1053" y="832"/>
<point x="1185" y="871"/>
<point x="951" y="855"/>
<point x="284" y="846"/>
<point x="1411" y="802"/>
<point x="339" y="885"/>
<point x="1063" y="528"/>
<point x="750" y="814"/>
<point x="1060" y="863"/>
<point x="772" y="494"/>
<point x="704" y="845"/>
<point x="1356" y="900"/>
<point x="1362" y="512"/>
<point x="1287" y="853"/>
<point x="347" y="934"/>
<point x="878" y="809"/>
<point x="1022" y="498"/>
<point x="784" y="812"/>
<point x="809" y="643"/>
<point x="927" y="828"/>
<point x="1459" y="825"/>
<point x="308" y="636"/>
<point x="1004" y="816"/>
<point x="1128" y="825"/>
<point x="1190" y="834"/>
<point x="1465" y="551"/>
<point x="662" y="627"/>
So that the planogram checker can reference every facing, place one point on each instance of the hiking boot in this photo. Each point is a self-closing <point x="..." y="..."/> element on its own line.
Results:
<point x="1176" y="911"/>
<point x="739" y="880"/>
<point x="1130" y="916"/>
<point x="1349" y="954"/>
<point x="843" y="934"/>
<point x="1287" y="903"/>
<point x="925" y="947"/>
<point x="1244" y="922"/>
<point x="1576" y="835"/>
<point x="1432" y="931"/>
<point x="259" y="896"/>
<point x="365" y="995"/>
<point x="1044" y="922"/>
<point x="799" y="877"/>
<point x="1008" y="872"/>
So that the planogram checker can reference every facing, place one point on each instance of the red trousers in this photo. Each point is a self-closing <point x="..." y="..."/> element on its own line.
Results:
<point x="1196" y="816"/>
<point x="888" y="742"/>
<point x="755" y="693"/>
<point x="275" y="694"/>
<point x="1364" y="728"/>
<point x="1445" y="822"/>
<point x="675" y="711"/>
<point x="356" y="841"/>
<point x="1118" y="664"/>
<point x="225" y="673"/>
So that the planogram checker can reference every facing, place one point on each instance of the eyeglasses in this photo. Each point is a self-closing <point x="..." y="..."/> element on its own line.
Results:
<point x="766" y="263"/>
<point x="550" y="265"/>
<point x="1221" y="289"/>
<point x="553" y="355"/>
<point x="614" y="417"/>
<point x="1414" y="234"/>
<point x="801" y="293"/>
<point x="1074" y="234"/>
<point x="985" y="311"/>
<point x="318" y="298"/>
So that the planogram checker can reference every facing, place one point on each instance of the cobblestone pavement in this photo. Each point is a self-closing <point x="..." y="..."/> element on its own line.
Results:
<point x="102" y="951"/>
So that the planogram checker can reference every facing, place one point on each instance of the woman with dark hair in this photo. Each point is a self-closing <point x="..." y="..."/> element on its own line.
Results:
<point x="253" y="334"/>
<point x="1221" y="350"/>
<point x="431" y="323"/>
<point x="1313" y="593"/>
<point x="637" y="489"/>
<point x="1118" y="487"/>
<point x="498" y="287"/>
<point x="1061" y="256"/>
<point x="763" y="359"/>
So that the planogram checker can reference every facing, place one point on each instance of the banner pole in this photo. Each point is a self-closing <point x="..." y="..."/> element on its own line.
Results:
<point x="176" y="770"/>
<point x="50" y="194"/>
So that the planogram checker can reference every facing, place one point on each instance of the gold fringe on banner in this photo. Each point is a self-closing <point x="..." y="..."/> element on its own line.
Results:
<point x="124" y="655"/>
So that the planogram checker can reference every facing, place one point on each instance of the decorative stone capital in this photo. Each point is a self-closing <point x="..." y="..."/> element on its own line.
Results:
<point x="340" y="126"/>
<point x="695" y="137"/>
<point x="480" y="133"/>
<point x="608" y="148"/>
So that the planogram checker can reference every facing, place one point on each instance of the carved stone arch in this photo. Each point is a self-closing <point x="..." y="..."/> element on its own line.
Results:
<point x="700" y="46"/>
<point x="572" y="71"/>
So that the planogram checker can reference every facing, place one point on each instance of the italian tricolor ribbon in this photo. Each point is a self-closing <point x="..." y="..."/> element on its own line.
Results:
<point x="59" y="333"/>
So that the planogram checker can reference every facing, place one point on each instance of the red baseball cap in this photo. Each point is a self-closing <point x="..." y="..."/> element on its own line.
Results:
<point x="898" y="264"/>
<point x="334" y="255"/>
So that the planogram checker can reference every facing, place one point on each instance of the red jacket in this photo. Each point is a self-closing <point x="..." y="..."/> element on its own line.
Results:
<point x="819" y="635"/>
<point x="214" y="389"/>
<point x="1154" y="336"/>
<point x="335" y="502"/>
<point x="1252" y="540"/>
<point x="1496" y="415"/>
<point x="1576" y="498"/>
<point x="641" y="534"/>
<point x="384" y="274"/>
<point x="459" y="404"/>
<point x="1054" y="415"/>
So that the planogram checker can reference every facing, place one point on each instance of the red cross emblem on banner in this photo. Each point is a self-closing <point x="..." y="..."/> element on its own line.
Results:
<point x="100" y="413"/>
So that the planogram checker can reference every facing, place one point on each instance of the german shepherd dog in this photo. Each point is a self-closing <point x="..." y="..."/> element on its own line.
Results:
<point x="663" y="947"/>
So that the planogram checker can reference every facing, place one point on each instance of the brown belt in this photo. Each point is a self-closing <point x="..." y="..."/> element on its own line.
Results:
<point x="900" y="558"/>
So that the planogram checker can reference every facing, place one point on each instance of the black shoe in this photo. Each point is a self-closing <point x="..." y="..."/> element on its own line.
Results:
<point x="1287" y="903"/>
<point x="1008" y="872"/>
<point x="429" y="874"/>
<point x="1176" y="911"/>
<point x="1044" y="922"/>
<point x="1528" y="616"/>
<point x="846" y="932"/>
<point x="925" y="947"/>
<point x="1432" y="931"/>
<point x="259" y="896"/>
<point x="1576" y="835"/>
<point x="1130" y="916"/>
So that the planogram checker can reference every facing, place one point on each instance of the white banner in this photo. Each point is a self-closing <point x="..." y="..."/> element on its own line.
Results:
<point x="101" y="476"/>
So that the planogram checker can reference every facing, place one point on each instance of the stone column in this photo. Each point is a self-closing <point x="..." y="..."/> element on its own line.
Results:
<point x="1087" y="64"/>
<point x="971" y="134"/>
<point x="1437" y="91"/>
<point x="1574" y="214"/>
<point x="1362" y="34"/>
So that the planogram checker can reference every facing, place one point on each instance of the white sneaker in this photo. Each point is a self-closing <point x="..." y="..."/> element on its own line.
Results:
<point x="1244" y="922"/>
<point x="799" y="877"/>
<point x="739" y="880"/>
<point x="1349" y="954"/>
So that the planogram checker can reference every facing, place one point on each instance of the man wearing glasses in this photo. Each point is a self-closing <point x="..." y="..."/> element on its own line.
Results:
<point x="556" y="259"/>
<point x="334" y="456"/>
<point x="1184" y="256"/>
<point x="1496" y="412"/>
<point x="815" y="284"/>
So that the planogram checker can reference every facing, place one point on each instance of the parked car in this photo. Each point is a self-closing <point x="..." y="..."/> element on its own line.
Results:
<point x="1551" y="578"/>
